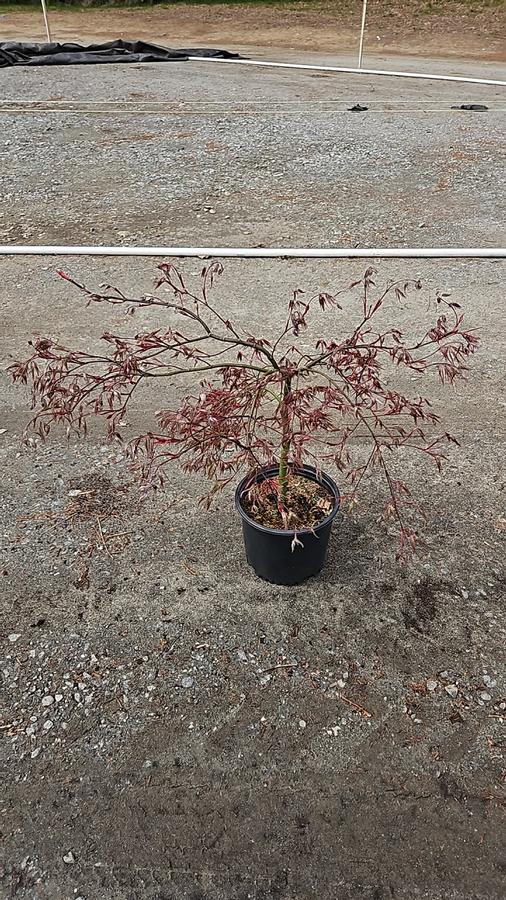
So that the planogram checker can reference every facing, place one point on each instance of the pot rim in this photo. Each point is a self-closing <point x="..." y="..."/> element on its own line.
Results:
<point x="305" y="471"/>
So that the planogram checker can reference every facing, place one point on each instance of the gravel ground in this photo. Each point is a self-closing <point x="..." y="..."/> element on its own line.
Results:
<point x="172" y="726"/>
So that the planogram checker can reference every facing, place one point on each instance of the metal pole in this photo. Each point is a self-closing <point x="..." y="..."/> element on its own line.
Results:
<point x="362" y="30"/>
<point x="262" y="252"/>
<point x="46" y="20"/>
<point x="313" y="68"/>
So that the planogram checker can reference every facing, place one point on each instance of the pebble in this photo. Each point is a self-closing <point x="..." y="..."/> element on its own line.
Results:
<point x="69" y="858"/>
<point x="242" y="655"/>
<point x="58" y="697"/>
<point x="485" y="696"/>
<point x="431" y="685"/>
<point x="14" y="637"/>
<point x="34" y="754"/>
<point x="490" y="682"/>
<point x="48" y="724"/>
<point x="187" y="681"/>
<point x="452" y="690"/>
<point x="302" y="723"/>
<point x="47" y="700"/>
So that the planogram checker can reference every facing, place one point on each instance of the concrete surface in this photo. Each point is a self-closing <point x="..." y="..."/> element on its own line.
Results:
<point x="179" y="762"/>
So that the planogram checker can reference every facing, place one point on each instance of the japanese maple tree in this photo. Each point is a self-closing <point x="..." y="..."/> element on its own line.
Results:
<point x="260" y="400"/>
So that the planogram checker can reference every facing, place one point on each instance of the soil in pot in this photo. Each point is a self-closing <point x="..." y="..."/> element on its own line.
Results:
<point x="307" y="503"/>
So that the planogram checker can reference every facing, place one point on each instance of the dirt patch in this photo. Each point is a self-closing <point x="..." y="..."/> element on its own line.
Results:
<point x="421" y="608"/>
<point x="451" y="29"/>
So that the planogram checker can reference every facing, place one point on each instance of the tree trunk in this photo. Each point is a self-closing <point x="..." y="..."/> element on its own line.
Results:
<point x="285" y="442"/>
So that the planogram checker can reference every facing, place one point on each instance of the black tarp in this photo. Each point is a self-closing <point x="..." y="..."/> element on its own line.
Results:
<point x="13" y="53"/>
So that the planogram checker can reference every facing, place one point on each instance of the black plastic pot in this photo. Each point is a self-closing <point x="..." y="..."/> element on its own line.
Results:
<point x="269" y="550"/>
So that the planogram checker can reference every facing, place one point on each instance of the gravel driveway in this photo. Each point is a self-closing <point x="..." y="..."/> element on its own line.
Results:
<point x="172" y="726"/>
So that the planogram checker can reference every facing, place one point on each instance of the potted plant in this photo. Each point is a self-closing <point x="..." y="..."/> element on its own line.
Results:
<point x="277" y="409"/>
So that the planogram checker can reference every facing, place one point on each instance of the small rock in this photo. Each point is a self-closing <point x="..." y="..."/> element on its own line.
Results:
<point x="47" y="725"/>
<point x="490" y="682"/>
<point x="14" y="637"/>
<point x="242" y="655"/>
<point x="452" y="690"/>
<point x="58" y="697"/>
<point x="187" y="681"/>
<point x="465" y="594"/>
<point x="341" y="683"/>
<point x="47" y="700"/>
<point x="302" y="723"/>
<point x="69" y="858"/>
<point x="431" y="685"/>
<point x="34" y="754"/>
<point x="485" y="696"/>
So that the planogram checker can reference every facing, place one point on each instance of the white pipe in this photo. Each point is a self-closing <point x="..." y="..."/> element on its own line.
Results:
<point x="46" y="21"/>
<point x="362" y="30"/>
<point x="276" y="65"/>
<point x="262" y="252"/>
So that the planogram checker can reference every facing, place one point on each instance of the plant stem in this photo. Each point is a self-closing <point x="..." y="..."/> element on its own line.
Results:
<point x="285" y="445"/>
